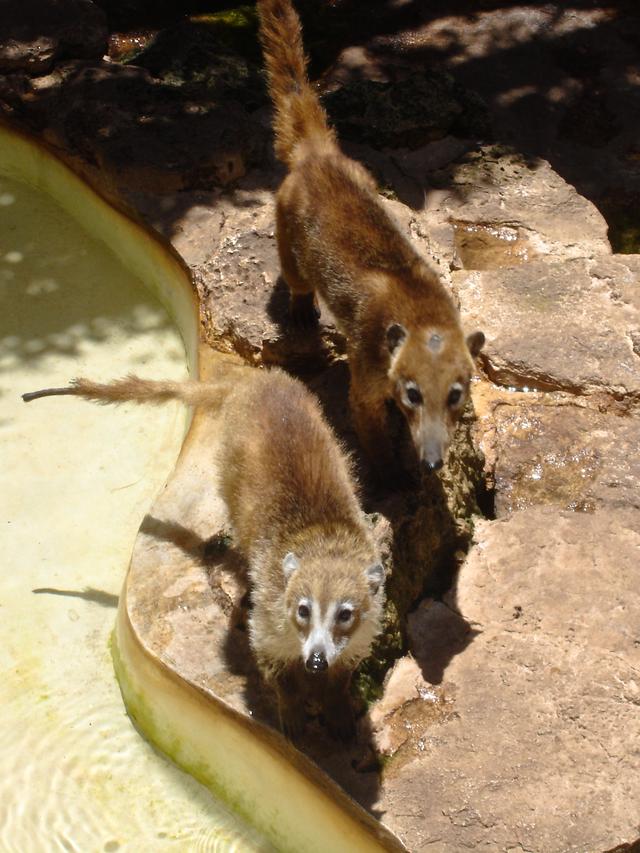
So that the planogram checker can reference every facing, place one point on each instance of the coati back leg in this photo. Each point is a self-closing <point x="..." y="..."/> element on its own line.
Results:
<point x="303" y="304"/>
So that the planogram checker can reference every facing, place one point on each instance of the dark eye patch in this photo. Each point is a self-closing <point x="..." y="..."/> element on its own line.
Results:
<point x="303" y="611"/>
<point x="455" y="395"/>
<point x="413" y="395"/>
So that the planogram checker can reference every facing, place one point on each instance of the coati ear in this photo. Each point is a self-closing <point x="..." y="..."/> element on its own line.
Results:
<point x="290" y="564"/>
<point x="396" y="333"/>
<point x="475" y="342"/>
<point x="375" y="577"/>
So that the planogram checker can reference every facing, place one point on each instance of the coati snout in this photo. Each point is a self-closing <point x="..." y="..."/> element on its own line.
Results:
<point x="429" y="374"/>
<point x="329" y="607"/>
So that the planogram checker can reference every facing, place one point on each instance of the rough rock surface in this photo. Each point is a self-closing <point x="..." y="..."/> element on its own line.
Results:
<point x="539" y="748"/>
<point x="495" y="208"/>
<point x="559" y="326"/>
<point x="136" y="132"/>
<point x="35" y="34"/>
<point x="567" y="455"/>
<point x="558" y="82"/>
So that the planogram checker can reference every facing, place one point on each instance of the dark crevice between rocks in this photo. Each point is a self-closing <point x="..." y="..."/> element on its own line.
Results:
<point x="620" y="209"/>
<point x="512" y="379"/>
<point x="410" y="111"/>
<point x="631" y="847"/>
<point x="213" y="53"/>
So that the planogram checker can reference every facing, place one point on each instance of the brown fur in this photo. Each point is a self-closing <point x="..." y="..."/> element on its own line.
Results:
<point x="336" y="238"/>
<point x="289" y="490"/>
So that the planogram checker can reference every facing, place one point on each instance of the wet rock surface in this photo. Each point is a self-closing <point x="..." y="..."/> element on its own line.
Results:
<point x="507" y="209"/>
<point x="507" y="708"/>
<point x="568" y="455"/>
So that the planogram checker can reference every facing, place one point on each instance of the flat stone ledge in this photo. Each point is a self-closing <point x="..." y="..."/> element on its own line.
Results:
<point x="539" y="656"/>
<point x="500" y="210"/>
<point x="571" y="456"/>
<point x="559" y="326"/>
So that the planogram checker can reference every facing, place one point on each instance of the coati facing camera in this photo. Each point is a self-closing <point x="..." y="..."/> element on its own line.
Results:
<point x="405" y="342"/>
<point x="316" y="578"/>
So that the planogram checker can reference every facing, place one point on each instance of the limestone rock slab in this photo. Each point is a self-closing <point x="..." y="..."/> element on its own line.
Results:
<point x="568" y="455"/>
<point x="559" y="326"/>
<point x="541" y="656"/>
<point x="495" y="208"/>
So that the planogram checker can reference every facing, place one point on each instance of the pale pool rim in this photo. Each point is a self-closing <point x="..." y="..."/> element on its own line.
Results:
<point x="196" y="729"/>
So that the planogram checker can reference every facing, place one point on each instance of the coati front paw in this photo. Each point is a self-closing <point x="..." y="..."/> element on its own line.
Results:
<point x="303" y="310"/>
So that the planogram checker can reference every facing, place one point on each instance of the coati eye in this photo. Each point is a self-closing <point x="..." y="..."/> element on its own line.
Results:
<point x="455" y="395"/>
<point x="413" y="395"/>
<point x="303" y="612"/>
<point x="345" y="614"/>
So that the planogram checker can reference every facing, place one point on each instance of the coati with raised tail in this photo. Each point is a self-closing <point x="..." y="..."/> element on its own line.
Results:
<point x="405" y="341"/>
<point x="317" y="584"/>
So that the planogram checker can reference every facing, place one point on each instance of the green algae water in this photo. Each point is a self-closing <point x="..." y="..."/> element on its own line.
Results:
<point x="75" y="482"/>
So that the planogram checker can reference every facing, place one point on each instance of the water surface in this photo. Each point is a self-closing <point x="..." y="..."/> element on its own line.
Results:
<point x="75" y="482"/>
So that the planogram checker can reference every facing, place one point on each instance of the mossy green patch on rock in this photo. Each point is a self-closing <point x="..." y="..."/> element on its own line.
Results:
<point x="217" y="54"/>
<point x="242" y="17"/>
<point x="387" y="648"/>
<point x="620" y="209"/>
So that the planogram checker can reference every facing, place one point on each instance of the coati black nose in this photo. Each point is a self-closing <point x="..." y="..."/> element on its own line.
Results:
<point x="433" y="465"/>
<point x="316" y="662"/>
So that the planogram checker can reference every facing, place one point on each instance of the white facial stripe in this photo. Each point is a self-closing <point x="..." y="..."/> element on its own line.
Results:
<point x="320" y="638"/>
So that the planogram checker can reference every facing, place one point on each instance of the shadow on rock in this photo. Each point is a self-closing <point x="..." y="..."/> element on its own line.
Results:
<point x="436" y="635"/>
